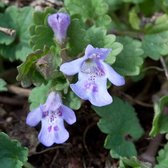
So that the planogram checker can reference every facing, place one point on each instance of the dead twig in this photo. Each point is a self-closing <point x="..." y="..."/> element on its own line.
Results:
<point x="52" y="148"/>
<point x="19" y="91"/>
<point x="84" y="137"/>
<point x="11" y="101"/>
<point x="8" y="31"/>
<point x="135" y="101"/>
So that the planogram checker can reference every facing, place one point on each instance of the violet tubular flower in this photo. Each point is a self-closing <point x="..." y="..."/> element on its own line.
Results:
<point x="52" y="115"/>
<point x="59" y="23"/>
<point x="92" y="76"/>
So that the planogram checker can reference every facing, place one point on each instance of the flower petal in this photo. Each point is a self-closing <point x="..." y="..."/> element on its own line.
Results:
<point x="73" y="67"/>
<point x="113" y="76"/>
<point x="96" y="92"/>
<point x="53" y="102"/>
<point x="100" y="97"/>
<point x="68" y="114"/>
<point x="101" y="53"/>
<point x="78" y="89"/>
<point x="34" y="117"/>
<point x="61" y="134"/>
<point x="89" y="50"/>
<point x="46" y="135"/>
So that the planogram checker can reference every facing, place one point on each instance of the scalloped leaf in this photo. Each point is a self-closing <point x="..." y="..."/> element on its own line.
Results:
<point x="155" y="45"/>
<point x="28" y="72"/>
<point x="91" y="11"/>
<point x="77" y="37"/>
<point x="12" y="153"/>
<point x="40" y="67"/>
<point x="71" y="100"/>
<point x="163" y="158"/>
<point x="41" y="34"/>
<point x="134" y="19"/>
<point x="120" y="123"/>
<point x="129" y="61"/>
<point x="16" y="47"/>
<point x="39" y="95"/>
<point x="160" y="25"/>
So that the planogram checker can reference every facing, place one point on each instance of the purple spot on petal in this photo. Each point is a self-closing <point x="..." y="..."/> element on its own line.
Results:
<point x="56" y="128"/>
<point x="59" y="113"/>
<point x="95" y="89"/>
<point x="87" y="85"/>
<point x="49" y="128"/>
<point x="57" y="16"/>
<point x="44" y="114"/>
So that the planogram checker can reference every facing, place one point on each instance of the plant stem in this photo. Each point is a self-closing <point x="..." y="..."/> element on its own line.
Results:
<point x="149" y="154"/>
<point x="164" y="66"/>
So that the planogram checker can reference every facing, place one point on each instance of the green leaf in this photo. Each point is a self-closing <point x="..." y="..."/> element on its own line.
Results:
<point x="2" y="5"/>
<point x="12" y="154"/>
<point x="110" y="42"/>
<point x="80" y="38"/>
<point x="41" y="34"/>
<point x="160" y="120"/>
<point x="133" y="162"/>
<point x="39" y="95"/>
<point x="77" y="39"/>
<point x="129" y="61"/>
<point x="162" y="158"/>
<point x="3" y="85"/>
<point x="155" y="45"/>
<point x="40" y="67"/>
<point x="114" y="4"/>
<point x="91" y="11"/>
<point x="134" y="19"/>
<point x="27" y="71"/>
<point x="72" y="101"/>
<point x="133" y="1"/>
<point x="60" y="82"/>
<point x="165" y="5"/>
<point x="18" y="19"/>
<point x="6" y="39"/>
<point x="160" y="25"/>
<point x="121" y="125"/>
<point x="155" y="6"/>
<point x="96" y="36"/>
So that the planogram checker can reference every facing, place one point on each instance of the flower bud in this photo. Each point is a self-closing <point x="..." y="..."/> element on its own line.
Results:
<point x="59" y="22"/>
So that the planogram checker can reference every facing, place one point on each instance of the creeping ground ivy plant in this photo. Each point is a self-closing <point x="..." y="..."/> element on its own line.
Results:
<point x="90" y="55"/>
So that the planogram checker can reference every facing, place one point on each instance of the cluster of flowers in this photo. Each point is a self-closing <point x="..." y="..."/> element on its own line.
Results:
<point x="92" y="72"/>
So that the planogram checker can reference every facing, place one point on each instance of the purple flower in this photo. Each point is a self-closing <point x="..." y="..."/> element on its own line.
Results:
<point x="92" y="76"/>
<point x="52" y="115"/>
<point x="59" y="23"/>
